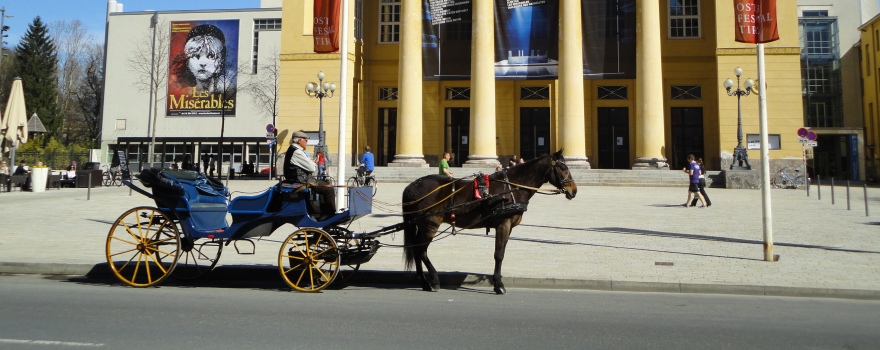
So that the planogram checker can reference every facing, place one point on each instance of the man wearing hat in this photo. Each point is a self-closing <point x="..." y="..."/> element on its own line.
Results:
<point x="298" y="168"/>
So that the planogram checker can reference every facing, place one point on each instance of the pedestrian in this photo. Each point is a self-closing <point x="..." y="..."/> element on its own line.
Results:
<point x="702" y="185"/>
<point x="319" y="159"/>
<point x="693" y="171"/>
<point x="513" y="161"/>
<point x="444" y="164"/>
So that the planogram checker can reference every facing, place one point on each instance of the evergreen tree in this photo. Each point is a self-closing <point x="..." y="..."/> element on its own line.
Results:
<point x="36" y="62"/>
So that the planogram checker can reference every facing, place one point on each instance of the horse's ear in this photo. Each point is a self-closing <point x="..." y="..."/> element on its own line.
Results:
<point x="558" y="154"/>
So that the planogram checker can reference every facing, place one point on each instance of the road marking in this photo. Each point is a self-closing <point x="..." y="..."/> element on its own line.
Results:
<point x="49" y="342"/>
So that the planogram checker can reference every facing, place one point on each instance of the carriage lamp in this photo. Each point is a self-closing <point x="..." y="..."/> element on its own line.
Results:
<point x="740" y="154"/>
<point x="320" y="90"/>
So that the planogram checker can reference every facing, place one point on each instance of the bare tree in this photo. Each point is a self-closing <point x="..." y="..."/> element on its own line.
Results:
<point x="149" y="61"/>
<point x="263" y="88"/>
<point x="71" y="41"/>
<point x="89" y="96"/>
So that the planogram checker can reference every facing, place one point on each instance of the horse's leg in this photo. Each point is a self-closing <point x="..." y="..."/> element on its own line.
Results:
<point x="502" y="234"/>
<point x="431" y="282"/>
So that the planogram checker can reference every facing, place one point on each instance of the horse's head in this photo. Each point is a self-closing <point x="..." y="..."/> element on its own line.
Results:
<point x="560" y="177"/>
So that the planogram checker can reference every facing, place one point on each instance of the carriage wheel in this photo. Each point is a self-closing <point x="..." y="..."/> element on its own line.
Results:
<point x="197" y="259"/>
<point x="143" y="246"/>
<point x="308" y="260"/>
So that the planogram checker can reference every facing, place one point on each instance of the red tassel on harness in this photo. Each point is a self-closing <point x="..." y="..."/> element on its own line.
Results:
<point x="477" y="190"/>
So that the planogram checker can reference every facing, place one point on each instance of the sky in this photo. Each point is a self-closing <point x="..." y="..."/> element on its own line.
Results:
<point x="93" y="12"/>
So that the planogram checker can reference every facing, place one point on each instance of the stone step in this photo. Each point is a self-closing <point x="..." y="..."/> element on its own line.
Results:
<point x="583" y="177"/>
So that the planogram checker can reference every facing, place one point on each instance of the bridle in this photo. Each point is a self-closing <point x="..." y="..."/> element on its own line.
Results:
<point x="553" y="174"/>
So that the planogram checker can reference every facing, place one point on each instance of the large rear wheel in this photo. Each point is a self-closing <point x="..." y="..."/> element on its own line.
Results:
<point x="308" y="260"/>
<point x="143" y="247"/>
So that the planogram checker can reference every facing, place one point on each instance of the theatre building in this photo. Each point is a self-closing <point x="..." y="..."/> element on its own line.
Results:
<point x="617" y="84"/>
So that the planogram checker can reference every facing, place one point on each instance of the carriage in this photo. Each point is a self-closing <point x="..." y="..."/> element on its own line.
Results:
<point x="184" y="235"/>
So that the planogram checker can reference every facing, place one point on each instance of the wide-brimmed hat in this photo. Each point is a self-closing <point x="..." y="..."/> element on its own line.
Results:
<point x="299" y="134"/>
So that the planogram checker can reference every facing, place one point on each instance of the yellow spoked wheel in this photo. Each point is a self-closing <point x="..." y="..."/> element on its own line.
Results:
<point x="308" y="260"/>
<point x="143" y="247"/>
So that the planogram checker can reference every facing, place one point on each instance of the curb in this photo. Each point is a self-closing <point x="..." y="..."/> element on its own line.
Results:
<point x="465" y="279"/>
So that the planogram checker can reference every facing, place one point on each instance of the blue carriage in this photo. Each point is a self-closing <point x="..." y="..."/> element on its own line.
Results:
<point x="184" y="235"/>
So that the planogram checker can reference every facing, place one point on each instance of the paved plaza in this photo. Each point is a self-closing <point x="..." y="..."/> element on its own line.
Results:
<point x="607" y="238"/>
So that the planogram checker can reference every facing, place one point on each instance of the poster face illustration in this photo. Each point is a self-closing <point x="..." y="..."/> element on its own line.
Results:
<point x="527" y="39"/>
<point x="203" y="67"/>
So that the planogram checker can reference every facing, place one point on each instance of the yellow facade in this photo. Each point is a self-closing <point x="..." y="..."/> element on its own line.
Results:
<point x="870" y="48"/>
<point x="705" y="61"/>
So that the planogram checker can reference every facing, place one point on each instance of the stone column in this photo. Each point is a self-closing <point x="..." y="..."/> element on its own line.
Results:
<point x="409" y="103"/>
<point x="571" y="86"/>
<point x="482" y="103"/>
<point x="650" y="126"/>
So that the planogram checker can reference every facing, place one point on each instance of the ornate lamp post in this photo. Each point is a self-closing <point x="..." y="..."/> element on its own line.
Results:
<point x="740" y="154"/>
<point x="320" y="90"/>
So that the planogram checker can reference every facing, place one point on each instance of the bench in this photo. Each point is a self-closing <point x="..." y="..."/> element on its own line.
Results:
<point x="17" y="181"/>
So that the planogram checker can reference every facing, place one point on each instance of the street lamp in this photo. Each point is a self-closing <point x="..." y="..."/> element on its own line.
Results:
<point x="740" y="154"/>
<point x="320" y="90"/>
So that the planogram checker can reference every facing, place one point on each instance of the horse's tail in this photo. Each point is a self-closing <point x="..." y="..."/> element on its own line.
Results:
<point x="409" y="237"/>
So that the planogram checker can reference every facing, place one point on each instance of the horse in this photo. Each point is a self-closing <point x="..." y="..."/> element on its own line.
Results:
<point x="435" y="199"/>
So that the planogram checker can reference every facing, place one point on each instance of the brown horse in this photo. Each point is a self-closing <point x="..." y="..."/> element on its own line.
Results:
<point x="435" y="199"/>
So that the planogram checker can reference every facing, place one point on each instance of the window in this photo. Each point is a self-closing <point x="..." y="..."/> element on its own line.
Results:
<point x="534" y="93"/>
<point x="387" y="94"/>
<point x="687" y="92"/>
<point x="389" y="21"/>
<point x="458" y="93"/>
<point x="359" y="20"/>
<point x="684" y="18"/>
<point x="612" y="92"/>
<point x="262" y="25"/>
<point x="815" y="13"/>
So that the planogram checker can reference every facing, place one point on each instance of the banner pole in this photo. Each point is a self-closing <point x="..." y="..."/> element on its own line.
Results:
<point x="765" y="159"/>
<point x="343" y="92"/>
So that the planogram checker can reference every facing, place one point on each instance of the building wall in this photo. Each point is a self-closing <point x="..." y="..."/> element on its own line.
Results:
<point x="870" y="50"/>
<point x="123" y="100"/>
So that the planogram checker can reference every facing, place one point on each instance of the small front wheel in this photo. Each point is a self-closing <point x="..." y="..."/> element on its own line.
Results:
<point x="107" y="179"/>
<point x="308" y="260"/>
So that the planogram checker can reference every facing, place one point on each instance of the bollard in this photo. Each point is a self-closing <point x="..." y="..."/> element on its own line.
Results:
<point x="847" y="194"/>
<point x="832" y="190"/>
<point x="808" y="187"/>
<point x="866" y="199"/>
<point x="819" y="187"/>
<point x="89" y="188"/>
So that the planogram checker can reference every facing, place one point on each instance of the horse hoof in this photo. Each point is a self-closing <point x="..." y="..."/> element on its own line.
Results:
<point x="500" y="290"/>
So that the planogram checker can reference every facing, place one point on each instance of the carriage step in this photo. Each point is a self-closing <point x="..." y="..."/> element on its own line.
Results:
<point x="253" y="247"/>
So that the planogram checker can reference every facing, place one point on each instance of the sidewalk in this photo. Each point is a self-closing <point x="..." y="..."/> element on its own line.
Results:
<point x="608" y="238"/>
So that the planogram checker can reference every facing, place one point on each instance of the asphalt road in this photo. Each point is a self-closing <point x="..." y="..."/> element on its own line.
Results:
<point x="71" y="312"/>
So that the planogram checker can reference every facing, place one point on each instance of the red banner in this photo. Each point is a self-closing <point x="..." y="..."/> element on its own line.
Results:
<point x="325" y="27"/>
<point x="755" y="21"/>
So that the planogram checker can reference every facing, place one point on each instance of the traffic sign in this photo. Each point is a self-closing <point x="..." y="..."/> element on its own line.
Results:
<point x="802" y="140"/>
<point x="802" y="132"/>
<point x="270" y="135"/>
<point x="809" y="143"/>
<point x="270" y="128"/>
<point x="812" y="136"/>
<point x="813" y="144"/>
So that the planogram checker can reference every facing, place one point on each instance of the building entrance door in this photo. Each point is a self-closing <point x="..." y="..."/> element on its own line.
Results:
<point x="687" y="136"/>
<point x="613" y="137"/>
<point x="387" y="147"/>
<point x="458" y="125"/>
<point x="534" y="132"/>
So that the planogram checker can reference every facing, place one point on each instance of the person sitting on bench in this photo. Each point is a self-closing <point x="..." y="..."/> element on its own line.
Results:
<point x="298" y="168"/>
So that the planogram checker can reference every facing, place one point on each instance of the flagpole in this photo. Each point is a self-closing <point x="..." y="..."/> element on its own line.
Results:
<point x="765" y="158"/>
<point x="343" y="89"/>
